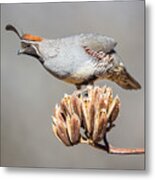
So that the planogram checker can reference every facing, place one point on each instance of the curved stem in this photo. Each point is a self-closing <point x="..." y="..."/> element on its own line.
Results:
<point x="106" y="142"/>
<point x="113" y="150"/>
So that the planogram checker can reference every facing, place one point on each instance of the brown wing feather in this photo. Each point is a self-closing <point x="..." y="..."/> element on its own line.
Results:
<point x="96" y="54"/>
<point x="120" y="76"/>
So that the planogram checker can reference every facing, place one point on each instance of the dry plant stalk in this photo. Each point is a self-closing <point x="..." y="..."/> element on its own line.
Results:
<point x="86" y="117"/>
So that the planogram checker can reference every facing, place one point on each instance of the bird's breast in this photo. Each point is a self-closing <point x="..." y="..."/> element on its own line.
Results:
<point x="73" y="67"/>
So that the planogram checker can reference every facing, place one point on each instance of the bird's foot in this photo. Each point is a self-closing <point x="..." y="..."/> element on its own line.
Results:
<point x="83" y="92"/>
<point x="77" y="92"/>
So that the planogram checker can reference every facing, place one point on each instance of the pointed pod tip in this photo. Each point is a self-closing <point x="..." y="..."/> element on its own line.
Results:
<point x="117" y="98"/>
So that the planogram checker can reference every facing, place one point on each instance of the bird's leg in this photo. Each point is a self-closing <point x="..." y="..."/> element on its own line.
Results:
<point x="77" y="92"/>
<point x="78" y="87"/>
<point x="92" y="83"/>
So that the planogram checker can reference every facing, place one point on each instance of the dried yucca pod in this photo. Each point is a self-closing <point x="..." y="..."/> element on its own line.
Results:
<point x="100" y="109"/>
<point x="93" y="109"/>
<point x="66" y="123"/>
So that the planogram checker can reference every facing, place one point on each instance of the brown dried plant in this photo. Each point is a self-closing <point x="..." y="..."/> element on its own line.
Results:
<point x="86" y="117"/>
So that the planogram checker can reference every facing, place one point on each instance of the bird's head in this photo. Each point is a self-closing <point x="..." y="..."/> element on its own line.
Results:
<point x="29" y="43"/>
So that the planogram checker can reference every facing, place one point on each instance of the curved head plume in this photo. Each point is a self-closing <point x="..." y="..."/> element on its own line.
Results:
<point x="29" y="43"/>
<point x="28" y="37"/>
<point x="9" y="27"/>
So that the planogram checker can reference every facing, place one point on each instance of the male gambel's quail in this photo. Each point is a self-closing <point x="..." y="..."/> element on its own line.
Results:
<point x="79" y="59"/>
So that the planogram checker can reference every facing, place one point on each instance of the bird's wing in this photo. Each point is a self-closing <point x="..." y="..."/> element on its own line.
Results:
<point x="99" y="43"/>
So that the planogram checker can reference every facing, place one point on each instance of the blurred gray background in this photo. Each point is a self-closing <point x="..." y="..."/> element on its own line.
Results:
<point x="29" y="93"/>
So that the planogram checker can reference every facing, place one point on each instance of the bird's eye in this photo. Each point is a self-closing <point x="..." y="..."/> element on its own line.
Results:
<point x="28" y="45"/>
<point x="25" y="45"/>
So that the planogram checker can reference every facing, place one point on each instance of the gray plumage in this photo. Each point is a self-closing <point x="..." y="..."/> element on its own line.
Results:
<point x="79" y="59"/>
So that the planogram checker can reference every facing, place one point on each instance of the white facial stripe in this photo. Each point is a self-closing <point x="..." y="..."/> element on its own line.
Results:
<point x="36" y="49"/>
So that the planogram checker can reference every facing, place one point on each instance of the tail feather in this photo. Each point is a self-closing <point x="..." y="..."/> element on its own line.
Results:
<point x="124" y="79"/>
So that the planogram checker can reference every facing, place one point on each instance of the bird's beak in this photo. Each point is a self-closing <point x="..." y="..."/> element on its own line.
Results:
<point x="20" y="51"/>
<point x="25" y="48"/>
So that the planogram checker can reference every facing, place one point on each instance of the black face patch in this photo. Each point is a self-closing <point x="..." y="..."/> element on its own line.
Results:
<point x="29" y="49"/>
<point x="24" y="45"/>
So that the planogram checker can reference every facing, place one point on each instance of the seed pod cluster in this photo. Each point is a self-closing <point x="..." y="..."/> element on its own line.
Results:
<point x="87" y="114"/>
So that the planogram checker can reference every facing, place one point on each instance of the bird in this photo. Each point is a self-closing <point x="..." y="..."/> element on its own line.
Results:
<point x="78" y="59"/>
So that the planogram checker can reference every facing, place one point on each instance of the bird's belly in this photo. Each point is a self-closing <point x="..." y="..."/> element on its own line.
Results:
<point x="73" y="80"/>
<point x="81" y="75"/>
